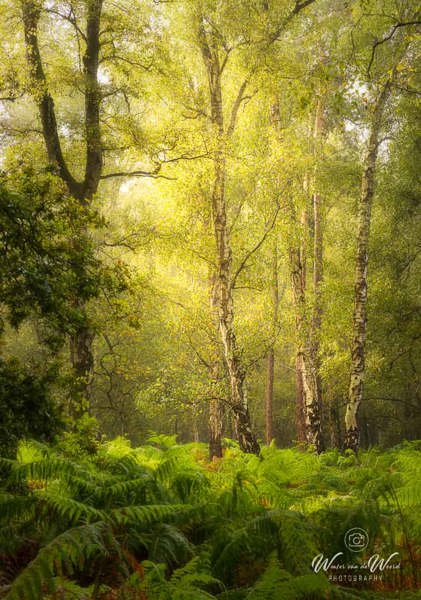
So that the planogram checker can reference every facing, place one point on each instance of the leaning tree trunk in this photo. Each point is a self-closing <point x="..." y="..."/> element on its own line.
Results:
<point x="355" y="395"/>
<point x="223" y="280"/>
<point x="81" y="340"/>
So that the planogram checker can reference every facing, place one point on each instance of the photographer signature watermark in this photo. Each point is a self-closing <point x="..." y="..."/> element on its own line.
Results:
<point x="368" y="570"/>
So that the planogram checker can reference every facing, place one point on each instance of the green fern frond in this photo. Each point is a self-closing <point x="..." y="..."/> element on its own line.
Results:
<point x="16" y="507"/>
<point x="296" y="542"/>
<point x="66" y="553"/>
<point x="190" y="484"/>
<point x="70" y="510"/>
<point x="46" y="469"/>
<point x="277" y="584"/>
<point x="146" y="515"/>
<point x="166" y="544"/>
<point x="232" y="544"/>
<point x="139" y="489"/>
<point x="167" y="469"/>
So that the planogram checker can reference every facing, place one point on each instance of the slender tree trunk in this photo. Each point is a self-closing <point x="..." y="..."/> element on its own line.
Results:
<point x="223" y="293"/>
<point x="308" y="413"/>
<point x="316" y="322"/>
<point x="195" y="422"/>
<point x="215" y="428"/>
<point x="355" y="395"/>
<point x="308" y="405"/>
<point x="299" y="400"/>
<point x="225" y="314"/>
<point x="271" y="353"/>
<point x="269" y="395"/>
<point x="335" y="424"/>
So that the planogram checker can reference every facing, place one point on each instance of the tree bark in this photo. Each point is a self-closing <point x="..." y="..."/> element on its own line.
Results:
<point x="81" y="352"/>
<point x="271" y="353"/>
<point x="308" y="404"/>
<point x="223" y="296"/>
<point x="355" y="394"/>
<point x="308" y="408"/>
<point x="216" y="415"/>
<point x="299" y="401"/>
<point x="82" y="362"/>
<point x="316" y="322"/>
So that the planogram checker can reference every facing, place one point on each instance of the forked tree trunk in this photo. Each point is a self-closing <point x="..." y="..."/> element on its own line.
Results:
<point x="81" y="341"/>
<point x="355" y="395"/>
<point x="223" y="281"/>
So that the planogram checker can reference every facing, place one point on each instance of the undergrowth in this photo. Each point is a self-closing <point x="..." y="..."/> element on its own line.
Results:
<point x="160" y="522"/>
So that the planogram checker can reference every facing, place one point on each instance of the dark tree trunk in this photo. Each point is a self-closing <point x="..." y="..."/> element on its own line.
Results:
<point x="335" y="424"/>
<point x="81" y="341"/>
<point x="82" y="362"/>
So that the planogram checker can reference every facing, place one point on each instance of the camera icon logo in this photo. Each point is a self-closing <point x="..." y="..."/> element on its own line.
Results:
<point x="356" y="539"/>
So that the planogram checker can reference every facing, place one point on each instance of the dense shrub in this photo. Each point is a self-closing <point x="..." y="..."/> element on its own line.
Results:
<point x="26" y="408"/>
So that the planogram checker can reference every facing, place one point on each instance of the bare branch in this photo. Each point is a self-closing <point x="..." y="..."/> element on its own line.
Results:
<point x="256" y="247"/>
<point x="204" y="362"/>
<point x="299" y="6"/>
<point x="133" y="63"/>
<point x="70" y="18"/>
<point x="236" y="106"/>
<point x="152" y="174"/>
<point x="388" y="37"/>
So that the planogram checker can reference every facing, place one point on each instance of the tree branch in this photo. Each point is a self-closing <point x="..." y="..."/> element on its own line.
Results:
<point x="44" y="100"/>
<point x="299" y="6"/>
<point x="388" y="37"/>
<point x="256" y="247"/>
<point x="70" y="18"/>
<point x="152" y="174"/>
<point x="236" y="107"/>
<point x="93" y="167"/>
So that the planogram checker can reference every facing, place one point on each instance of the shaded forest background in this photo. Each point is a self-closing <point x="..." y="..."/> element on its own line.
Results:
<point x="188" y="192"/>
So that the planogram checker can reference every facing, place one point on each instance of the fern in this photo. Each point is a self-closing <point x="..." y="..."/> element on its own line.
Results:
<point x="70" y="510"/>
<point x="146" y="515"/>
<point x="242" y="528"/>
<point x="65" y="554"/>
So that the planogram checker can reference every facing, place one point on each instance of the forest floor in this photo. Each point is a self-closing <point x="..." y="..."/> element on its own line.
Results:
<point x="161" y="522"/>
